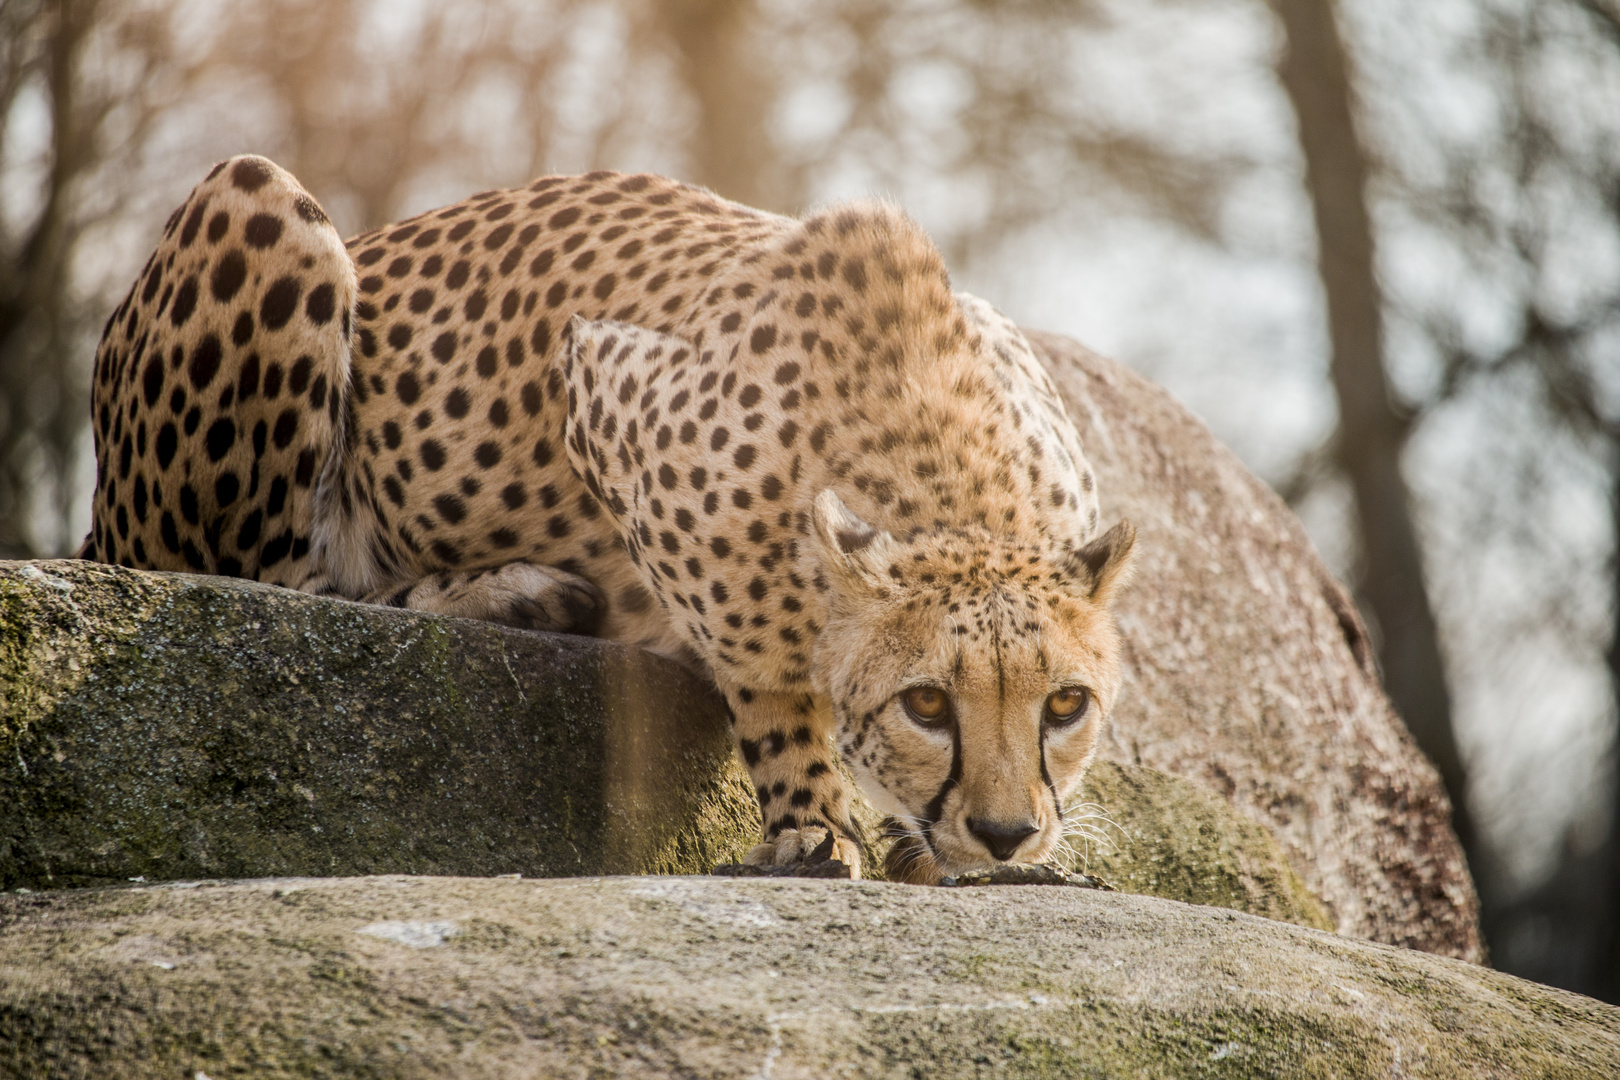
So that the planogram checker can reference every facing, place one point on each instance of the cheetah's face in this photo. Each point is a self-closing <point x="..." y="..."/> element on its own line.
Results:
<point x="970" y="677"/>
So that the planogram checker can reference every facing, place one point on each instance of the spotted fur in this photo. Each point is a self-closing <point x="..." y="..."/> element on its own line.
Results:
<point x="778" y="450"/>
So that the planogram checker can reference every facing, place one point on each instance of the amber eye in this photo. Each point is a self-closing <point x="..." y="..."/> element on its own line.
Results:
<point x="1066" y="706"/>
<point x="927" y="704"/>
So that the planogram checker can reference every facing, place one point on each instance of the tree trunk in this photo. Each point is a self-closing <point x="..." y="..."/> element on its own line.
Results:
<point x="41" y="407"/>
<point x="1314" y="72"/>
<point x="720" y="65"/>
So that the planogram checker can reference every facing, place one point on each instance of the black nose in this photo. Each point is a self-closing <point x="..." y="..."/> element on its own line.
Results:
<point x="1002" y="840"/>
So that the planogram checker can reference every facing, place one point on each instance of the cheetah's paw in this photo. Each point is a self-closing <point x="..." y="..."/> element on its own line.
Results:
<point x="809" y="848"/>
<point x="544" y="598"/>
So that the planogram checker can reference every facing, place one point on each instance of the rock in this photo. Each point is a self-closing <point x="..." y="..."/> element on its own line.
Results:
<point x="166" y="725"/>
<point x="711" y="977"/>
<point x="1159" y="835"/>
<point x="1249" y="673"/>
<point x="170" y="726"/>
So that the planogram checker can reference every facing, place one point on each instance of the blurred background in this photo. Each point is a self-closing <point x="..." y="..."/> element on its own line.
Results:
<point x="1374" y="244"/>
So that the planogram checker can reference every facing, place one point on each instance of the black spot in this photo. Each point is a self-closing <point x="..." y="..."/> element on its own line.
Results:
<point x="757" y="588"/>
<point x="248" y="534"/>
<point x="444" y="347"/>
<point x="407" y="389"/>
<point x="171" y="534"/>
<point x="433" y="455"/>
<point x="487" y="363"/>
<point x="193" y="223"/>
<point x="450" y="508"/>
<point x="399" y="336"/>
<point x="226" y="488"/>
<point x="242" y="333"/>
<point x="514" y="496"/>
<point x="498" y="237"/>
<point x="188" y="503"/>
<point x="228" y="275"/>
<point x="762" y="338"/>
<point x="152" y="380"/>
<point x="529" y="396"/>
<point x="185" y="302"/>
<point x="279" y="303"/>
<point x="204" y="363"/>
<point x="749" y="397"/>
<point x="168" y="441"/>
<point x="744" y="457"/>
<point x="787" y="373"/>
<point x="251" y="174"/>
<point x="488" y="455"/>
<point x="286" y="428"/>
<point x="278" y="497"/>
<point x="221" y="437"/>
<point x="457" y="403"/>
<point x="277" y="549"/>
<point x="718" y="440"/>
<point x="317" y="392"/>
<point x="300" y="374"/>
<point x="322" y="304"/>
<point x="309" y="210"/>
<point x="498" y="413"/>
<point x="262" y="230"/>
<point x="154" y="279"/>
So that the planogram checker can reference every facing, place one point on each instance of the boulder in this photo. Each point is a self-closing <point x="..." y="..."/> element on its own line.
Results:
<point x="711" y="977"/>
<point x="1248" y="670"/>
<point x="167" y="726"/>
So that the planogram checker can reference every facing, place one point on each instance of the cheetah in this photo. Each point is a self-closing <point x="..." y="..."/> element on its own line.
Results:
<point x="778" y="450"/>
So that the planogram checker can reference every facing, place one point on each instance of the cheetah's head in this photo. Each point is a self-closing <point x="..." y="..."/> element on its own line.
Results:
<point x="970" y="675"/>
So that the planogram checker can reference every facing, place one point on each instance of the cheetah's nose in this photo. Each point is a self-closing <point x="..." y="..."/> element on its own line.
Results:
<point x="1002" y="840"/>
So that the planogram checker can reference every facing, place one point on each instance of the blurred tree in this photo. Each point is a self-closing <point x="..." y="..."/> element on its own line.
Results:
<point x="1371" y="434"/>
<point x="83" y="84"/>
<point x="1535" y="200"/>
<point x="721" y="61"/>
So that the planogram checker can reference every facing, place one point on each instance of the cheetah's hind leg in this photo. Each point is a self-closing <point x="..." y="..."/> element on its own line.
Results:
<point x="522" y="594"/>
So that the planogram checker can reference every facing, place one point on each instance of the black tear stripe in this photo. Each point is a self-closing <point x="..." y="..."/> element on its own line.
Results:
<point x="1046" y="777"/>
<point x="936" y="806"/>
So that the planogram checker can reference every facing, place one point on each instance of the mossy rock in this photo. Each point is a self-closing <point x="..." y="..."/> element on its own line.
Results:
<point x="170" y="726"/>
<point x="1147" y="832"/>
<point x="167" y="726"/>
<point x="713" y="977"/>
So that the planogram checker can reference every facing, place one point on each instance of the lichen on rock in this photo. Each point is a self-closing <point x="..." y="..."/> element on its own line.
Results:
<point x="698" y="976"/>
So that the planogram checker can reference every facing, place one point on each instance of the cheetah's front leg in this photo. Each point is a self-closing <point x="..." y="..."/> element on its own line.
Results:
<point x="784" y="739"/>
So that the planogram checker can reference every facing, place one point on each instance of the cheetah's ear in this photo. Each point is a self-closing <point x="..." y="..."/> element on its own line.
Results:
<point x="853" y="553"/>
<point x="1102" y="567"/>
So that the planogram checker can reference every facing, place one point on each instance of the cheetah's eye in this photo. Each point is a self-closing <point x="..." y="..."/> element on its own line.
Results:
<point x="1066" y="706"/>
<point x="928" y="705"/>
